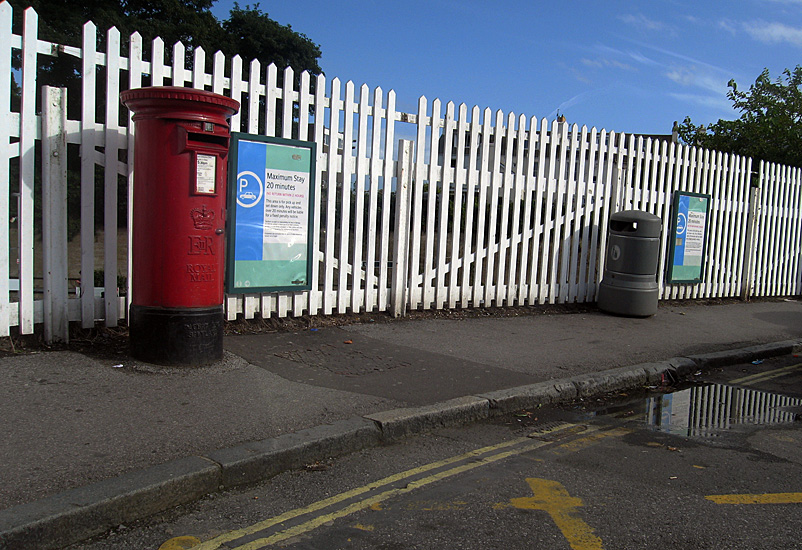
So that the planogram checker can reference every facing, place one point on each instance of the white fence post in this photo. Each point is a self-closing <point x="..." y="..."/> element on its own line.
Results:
<point x="54" y="213"/>
<point x="401" y="246"/>
<point x="5" y="157"/>
<point x="753" y="209"/>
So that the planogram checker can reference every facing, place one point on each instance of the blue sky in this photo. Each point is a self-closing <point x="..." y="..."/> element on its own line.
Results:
<point x="623" y="66"/>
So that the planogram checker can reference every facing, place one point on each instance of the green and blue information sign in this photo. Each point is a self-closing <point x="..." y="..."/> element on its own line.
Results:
<point x="270" y="197"/>
<point x="689" y="238"/>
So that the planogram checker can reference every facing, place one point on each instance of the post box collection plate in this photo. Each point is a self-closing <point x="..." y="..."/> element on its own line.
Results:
<point x="205" y="174"/>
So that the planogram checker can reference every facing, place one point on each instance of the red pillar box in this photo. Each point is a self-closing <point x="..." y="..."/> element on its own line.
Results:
<point x="180" y="161"/>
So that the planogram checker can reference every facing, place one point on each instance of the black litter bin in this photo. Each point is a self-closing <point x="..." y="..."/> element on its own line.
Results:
<point x="629" y="285"/>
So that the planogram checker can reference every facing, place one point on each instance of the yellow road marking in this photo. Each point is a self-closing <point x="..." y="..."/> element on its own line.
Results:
<point x="767" y="498"/>
<point x="476" y="458"/>
<point x="764" y="376"/>
<point x="551" y="497"/>
<point x="370" y="501"/>
<point x="583" y="442"/>
<point x="180" y="543"/>
<point x="233" y="535"/>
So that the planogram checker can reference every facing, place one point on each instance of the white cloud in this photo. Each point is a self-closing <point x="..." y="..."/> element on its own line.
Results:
<point x="642" y="22"/>
<point x="711" y="102"/>
<point x="728" y="26"/>
<point x="603" y="63"/>
<point x="578" y="98"/>
<point x="634" y="55"/>
<point x="694" y="77"/>
<point x="774" y="33"/>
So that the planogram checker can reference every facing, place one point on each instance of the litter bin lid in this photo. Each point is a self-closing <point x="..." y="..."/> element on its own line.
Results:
<point x="636" y="223"/>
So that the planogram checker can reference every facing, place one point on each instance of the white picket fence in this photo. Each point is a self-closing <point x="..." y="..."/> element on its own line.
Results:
<point x="481" y="209"/>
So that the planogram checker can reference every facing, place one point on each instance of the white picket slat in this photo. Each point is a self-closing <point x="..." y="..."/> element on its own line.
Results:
<point x="110" y="194"/>
<point x="521" y="230"/>
<point x="27" y="168"/>
<point x="88" y="143"/>
<point x="518" y="228"/>
<point x="579" y="249"/>
<point x="5" y="157"/>
<point x="135" y="70"/>
<point x="199" y="69"/>
<point x="444" y="194"/>
<point x="663" y="210"/>
<point x="795" y="243"/>
<point x="179" y="73"/>
<point x="526" y="163"/>
<point x="329" y="297"/>
<point x="431" y="203"/>
<point x="387" y="179"/>
<point x="416" y="227"/>
<point x="496" y="184"/>
<point x="728" y="278"/>
<point x="789" y="231"/>
<point x="343" y="291"/>
<point x="575" y="209"/>
<point x="550" y="180"/>
<point x="470" y="257"/>
<point x="219" y="73"/>
<point x="505" y="197"/>
<point x="595" y="196"/>
<point x="717" y="228"/>
<point x="458" y="258"/>
<point x="558" y="218"/>
<point x="401" y="250"/>
<point x="362" y="173"/>
<point x="484" y="183"/>
<point x="541" y="184"/>
<point x="288" y="99"/>
<point x="374" y="164"/>
<point x="238" y="87"/>
<point x="315" y="298"/>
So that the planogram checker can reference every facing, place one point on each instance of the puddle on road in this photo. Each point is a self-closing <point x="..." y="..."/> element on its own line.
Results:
<point x="707" y="411"/>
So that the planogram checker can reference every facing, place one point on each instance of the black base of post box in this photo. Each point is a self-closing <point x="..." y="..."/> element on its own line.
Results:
<point x="176" y="336"/>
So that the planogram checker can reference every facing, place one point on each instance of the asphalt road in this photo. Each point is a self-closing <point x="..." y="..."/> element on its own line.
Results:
<point x="714" y="465"/>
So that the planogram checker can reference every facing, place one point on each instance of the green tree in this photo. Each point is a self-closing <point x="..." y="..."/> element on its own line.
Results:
<point x="770" y="125"/>
<point x="253" y="35"/>
<point x="248" y="32"/>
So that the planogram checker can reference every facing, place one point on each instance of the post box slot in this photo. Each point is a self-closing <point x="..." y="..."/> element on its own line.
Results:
<point x="197" y="139"/>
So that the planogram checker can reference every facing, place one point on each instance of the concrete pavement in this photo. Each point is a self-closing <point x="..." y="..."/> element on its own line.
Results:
<point x="87" y="444"/>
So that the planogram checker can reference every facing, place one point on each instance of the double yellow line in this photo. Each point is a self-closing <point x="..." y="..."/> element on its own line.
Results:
<point x="381" y="490"/>
<point x="764" y="376"/>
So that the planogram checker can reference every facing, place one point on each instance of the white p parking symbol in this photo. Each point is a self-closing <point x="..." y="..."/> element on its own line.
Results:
<point x="249" y="189"/>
